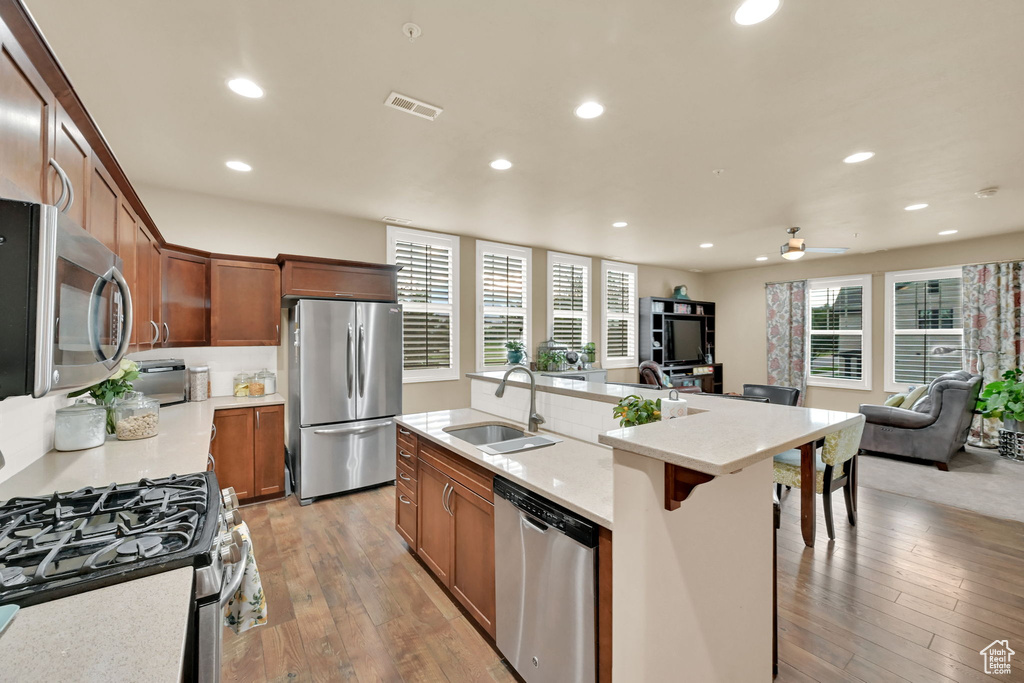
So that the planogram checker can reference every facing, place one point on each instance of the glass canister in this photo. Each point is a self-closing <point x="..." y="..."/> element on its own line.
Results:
<point x="199" y="383"/>
<point x="269" y="381"/>
<point x="241" y="384"/>
<point x="256" y="386"/>
<point x="80" y="426"/>
<point x="136" y="416"/>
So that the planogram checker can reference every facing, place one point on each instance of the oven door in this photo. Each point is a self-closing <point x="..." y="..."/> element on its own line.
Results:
<point x="84" y="308"/>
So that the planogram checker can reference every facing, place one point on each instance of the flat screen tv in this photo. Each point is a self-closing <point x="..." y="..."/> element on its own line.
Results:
<point x="685" y="343"/>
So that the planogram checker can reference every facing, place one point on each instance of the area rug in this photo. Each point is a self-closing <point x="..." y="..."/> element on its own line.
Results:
<point x="978" y="480"/>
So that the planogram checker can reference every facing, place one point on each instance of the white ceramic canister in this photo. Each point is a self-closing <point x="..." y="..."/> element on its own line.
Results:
<point x="673" y="406"/>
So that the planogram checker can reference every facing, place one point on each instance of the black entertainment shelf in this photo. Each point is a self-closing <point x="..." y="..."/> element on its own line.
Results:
<point x="655" y="315"/>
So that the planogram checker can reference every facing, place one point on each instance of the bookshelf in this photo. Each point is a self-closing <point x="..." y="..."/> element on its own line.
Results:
<point x="655" y="315"/>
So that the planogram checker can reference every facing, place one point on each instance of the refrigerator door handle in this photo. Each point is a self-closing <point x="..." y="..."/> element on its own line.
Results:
<point x="349" y="430"/>
<point x="349" y="360"/>
<point x="362" y="360"/>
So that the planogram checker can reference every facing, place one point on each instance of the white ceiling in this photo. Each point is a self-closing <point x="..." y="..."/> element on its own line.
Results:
<point x="932" y="86"/>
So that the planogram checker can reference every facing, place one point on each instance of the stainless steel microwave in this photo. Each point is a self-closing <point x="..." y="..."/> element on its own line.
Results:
<point x="65" y="308"/>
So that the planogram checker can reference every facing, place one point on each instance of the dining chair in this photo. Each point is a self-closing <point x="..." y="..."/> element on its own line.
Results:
<point x="787" y="396"/>
<point x="835" y="466"/>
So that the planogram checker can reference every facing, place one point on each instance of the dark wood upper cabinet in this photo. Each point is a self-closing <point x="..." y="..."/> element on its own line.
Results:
<point x="245" y="303"/>
<point x="103" y="207"/>
<point x="268" y="450"/>
<point x="231" y="449"/>
<point x="26" y="120"/>
<point x="72" y="153"/>
<point x="127" y="239"/>
<point x="186" y="303"/>
<point x="146" y="294"/>
<point x="303" y="276"/>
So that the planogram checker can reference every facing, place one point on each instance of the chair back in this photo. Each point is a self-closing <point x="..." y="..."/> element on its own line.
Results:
<point x="650" y="373"/>
<point x="842" y="445"/>
<point x="787" y="396"/>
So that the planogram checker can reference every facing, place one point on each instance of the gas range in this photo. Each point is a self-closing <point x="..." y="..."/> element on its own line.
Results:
<point x="67" y="543"/>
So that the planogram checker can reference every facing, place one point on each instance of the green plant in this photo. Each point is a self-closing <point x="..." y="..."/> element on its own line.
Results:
<point x="1005" y="399"/>
<point x="634" y="410"/>
<point x="551" y="361"/>
<point x="515" y="345"/>
<point x="116" y="386"/>
<point x="590" y="348"/>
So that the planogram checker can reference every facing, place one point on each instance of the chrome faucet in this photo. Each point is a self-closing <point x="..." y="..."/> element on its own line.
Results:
<point x="535" y="419"/>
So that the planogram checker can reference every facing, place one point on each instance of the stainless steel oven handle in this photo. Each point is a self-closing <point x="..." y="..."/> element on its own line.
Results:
<point x="236" y="578"/>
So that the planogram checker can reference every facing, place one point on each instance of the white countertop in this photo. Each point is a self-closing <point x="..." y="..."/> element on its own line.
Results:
<point x="574" y="474"/>
<point x="131" y="631"/>
<point x="726" y="436"/>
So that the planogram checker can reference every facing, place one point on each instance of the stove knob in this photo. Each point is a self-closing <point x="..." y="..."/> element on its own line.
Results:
<point x="229" y="497"/>
<point x="236" y="537"/>
<point x="230" y="554"/>
<point x="234" y="517"/>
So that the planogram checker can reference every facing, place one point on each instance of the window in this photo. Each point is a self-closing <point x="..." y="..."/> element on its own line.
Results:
<point x="569" y="299"/>
<point x="503" y="300"/>
<point x="618" y="305"/>
<point x="923" y="326"/>
<point x="839" y="332"/>
<point x="428" y="289"/>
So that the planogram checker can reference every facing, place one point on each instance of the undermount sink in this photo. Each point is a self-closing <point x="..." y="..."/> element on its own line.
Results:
<point x="497" y="439"/>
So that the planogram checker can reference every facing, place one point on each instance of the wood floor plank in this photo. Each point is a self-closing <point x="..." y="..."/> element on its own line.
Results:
<point x="284" y="656"/>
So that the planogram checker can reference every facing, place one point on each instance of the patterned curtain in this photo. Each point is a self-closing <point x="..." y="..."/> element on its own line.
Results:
<point x="787" y="329"/>
<point x="993" y="321"/>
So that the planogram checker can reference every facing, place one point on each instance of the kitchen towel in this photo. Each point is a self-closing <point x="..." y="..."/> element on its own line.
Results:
<point x="673" y="406"/>
<point x="247" y="608"/>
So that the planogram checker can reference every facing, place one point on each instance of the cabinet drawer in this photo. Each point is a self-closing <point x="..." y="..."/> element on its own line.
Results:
<point x="473" y="477"/>
<point x="404" y="471"/>
<point x="406" y="439"/>
<point x="406" y="459"/>
<point x="405" y="516"/>
<point x="406" y="484"/>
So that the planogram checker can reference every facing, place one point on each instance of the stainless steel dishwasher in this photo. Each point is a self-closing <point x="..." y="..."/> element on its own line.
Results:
<point x="545" y="569"/>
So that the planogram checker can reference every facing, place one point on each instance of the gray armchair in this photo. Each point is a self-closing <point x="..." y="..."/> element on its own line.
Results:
<point x="932" y="429"/>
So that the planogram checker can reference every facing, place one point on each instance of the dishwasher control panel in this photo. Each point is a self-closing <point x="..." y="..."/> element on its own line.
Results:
<point x="551" y="514"/>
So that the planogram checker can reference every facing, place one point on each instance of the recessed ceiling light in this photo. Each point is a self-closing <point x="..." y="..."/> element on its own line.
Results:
<point x="589" y="110"/>
<point x="755" y="11"/>
<point x="986" y="193"/>
<point x="501" y="164"/>
<point x="238" y="166"/>
<point x="915" y="207"/>
<point x="620" y="224"/>
<point x="706" y="245"/>
<point x="948" y="232"/>
<point x="858" y="157"/>
<point x="245" y="87"/>
<point x="761" y="258"/>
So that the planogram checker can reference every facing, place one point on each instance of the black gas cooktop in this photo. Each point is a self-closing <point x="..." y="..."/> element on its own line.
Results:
<point x="67" y="543"/>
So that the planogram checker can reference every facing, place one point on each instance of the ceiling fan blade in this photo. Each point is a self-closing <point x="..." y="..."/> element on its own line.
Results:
<point x="828" y="250"/>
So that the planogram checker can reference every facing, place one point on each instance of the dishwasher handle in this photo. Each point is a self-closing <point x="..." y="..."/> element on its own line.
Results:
<point x="532" y="523"/>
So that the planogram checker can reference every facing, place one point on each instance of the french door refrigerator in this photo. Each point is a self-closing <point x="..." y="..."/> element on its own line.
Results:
<point x="345" y="387"/>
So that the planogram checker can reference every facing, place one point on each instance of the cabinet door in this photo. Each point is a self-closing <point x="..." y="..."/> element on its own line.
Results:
<point x="147" y="288"/>
<point x="268" y="450"/>
<point x="72" y="152"/>
<point x="405" y="514"/>
<point x="186" y="306"/>
<point x="103" y="206"/>
<point x="26" y="116"/>
<point x="232" y="449"/>
<point x="434" y="524"/>
<point x="127" y="238"/>
<point x="472" y="571"/>
<point x="245" y="303"/>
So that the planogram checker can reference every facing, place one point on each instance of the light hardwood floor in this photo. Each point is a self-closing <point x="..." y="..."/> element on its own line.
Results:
<point x="912" y="593"/>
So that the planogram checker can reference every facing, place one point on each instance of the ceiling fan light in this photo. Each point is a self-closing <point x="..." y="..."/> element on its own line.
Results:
<point x="792" y="255"/>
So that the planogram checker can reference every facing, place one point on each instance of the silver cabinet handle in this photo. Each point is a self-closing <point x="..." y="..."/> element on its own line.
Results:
<point x="362" y="360"/>
<point x="210" y="460"/>
<point x="444" y="497"/>
<point x="349" y="360"/>
<point x="403" y="476"/>
<point x="404" y="499"/>
<point x="257" y="419"/>
<point x="447" y="501"/>
<point x="405" y="455"/>
<point x="404" y="431"/>
<point x="66" y="190"/>
<point x="167" y="333"/>
<point x="214" y="433"/>
<point x="156" y="333"/>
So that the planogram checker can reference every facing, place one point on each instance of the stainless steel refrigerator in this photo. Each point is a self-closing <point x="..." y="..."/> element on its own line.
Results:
<point x="345" y="387"/>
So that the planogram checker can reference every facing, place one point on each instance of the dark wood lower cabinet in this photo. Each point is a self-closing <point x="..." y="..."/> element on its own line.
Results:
<point x="472" y="574"/>
<point x="433" y="527"/>
<point x="248" y="451"/>
<point x="268" y="451"/>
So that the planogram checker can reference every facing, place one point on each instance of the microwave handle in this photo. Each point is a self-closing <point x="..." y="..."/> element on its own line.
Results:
<point x="125" y="327"/>
<point x="126" y="308"/>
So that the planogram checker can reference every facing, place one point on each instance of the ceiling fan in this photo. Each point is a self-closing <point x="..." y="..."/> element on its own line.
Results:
<point x="795" y="247"/>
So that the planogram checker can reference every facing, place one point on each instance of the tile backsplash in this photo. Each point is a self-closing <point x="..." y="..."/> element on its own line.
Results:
<point x="570" y="416"/>
<point x="225" y="362"/>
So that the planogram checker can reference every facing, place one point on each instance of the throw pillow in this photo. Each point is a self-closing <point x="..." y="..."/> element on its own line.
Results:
<point x="914" y="395"/>
<point x="896" y="400"/>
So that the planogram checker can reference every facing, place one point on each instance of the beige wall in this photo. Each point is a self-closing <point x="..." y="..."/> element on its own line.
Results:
<point x="739" y="294"/>
<point x="230" y="226"/>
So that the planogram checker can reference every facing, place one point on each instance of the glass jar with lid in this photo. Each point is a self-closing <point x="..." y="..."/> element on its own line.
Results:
<point x="199" y="383"/>
<point x="269" y="381"/>
<point x="136" y="416"/>
<point x="79" y="426"/>
<point x="241" y="384"/>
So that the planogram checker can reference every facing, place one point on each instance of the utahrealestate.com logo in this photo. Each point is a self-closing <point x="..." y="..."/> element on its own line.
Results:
<point x="997" y="657"/>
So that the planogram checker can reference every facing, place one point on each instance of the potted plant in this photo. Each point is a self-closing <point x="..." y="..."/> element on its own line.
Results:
<point x="1005" y="400"/>
<point x="111" y="389"/>
<point x="516" y="351"/>
<point x="590" y="349"/>
<point x="634" y="410"/>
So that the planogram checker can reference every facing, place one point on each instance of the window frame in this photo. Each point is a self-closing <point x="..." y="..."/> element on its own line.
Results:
<point x="891" y="278"/>
<point x="586" y="263"/>
<point x="511" y="250"/>
<point x="864" y="383"/>
<point x="618" y="362"/>
<point x="397" y="234"/>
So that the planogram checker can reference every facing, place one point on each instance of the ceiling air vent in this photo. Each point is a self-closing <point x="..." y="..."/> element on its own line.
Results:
<point x="413" y="106"/>
<point x="399" y="221"/>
